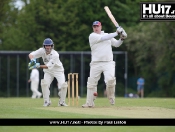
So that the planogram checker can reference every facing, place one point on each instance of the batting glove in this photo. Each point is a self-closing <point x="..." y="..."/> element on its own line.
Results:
<point x="119" y="29"/>
<point x="123" y="35"/>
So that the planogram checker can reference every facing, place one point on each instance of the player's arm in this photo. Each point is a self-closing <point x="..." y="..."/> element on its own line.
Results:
<point x="37" y="65"/>
<point x="43" y="66"/>
<point x="108" y="36"/>
<point x="112" y="35"/>
<point x="116" y="43"/>
<point x="52" y="62"/>
<point x="31" y="56"/>
<point x="143" y="82"/>
<point x="33" y="63"/>
<point x="96" y="38"/>
<point x="35" y="54"/>
<point x="32" y="60"/>
<point x="49" y="65"/>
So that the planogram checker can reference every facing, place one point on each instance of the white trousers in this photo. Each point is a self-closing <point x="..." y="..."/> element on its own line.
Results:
<point x="107" y="68"/>
<point x="60" y="77"/>
<point x="34" y="89"/>
<point x="96" y="68"/>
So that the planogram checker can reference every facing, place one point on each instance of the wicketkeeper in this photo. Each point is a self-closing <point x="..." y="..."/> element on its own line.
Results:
<point x="52" y="67"/>
<point x="102" y="61"/>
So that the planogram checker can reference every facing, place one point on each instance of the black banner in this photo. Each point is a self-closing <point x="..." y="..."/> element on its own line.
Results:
<point x="87" y="122"/>
<point x="157" y="11"/>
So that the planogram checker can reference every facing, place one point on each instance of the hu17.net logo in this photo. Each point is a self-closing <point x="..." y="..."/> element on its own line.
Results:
<point x="157" y="11"/>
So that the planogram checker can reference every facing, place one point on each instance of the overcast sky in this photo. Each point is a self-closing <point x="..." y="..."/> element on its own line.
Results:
<point x="19" y="4"/>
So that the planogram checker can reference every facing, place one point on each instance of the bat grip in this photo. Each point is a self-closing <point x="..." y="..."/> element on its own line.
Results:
<point x="118" y="26"/>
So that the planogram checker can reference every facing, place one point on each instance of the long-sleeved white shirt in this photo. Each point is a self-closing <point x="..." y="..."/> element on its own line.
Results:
<point x="101" y="49"/>
<point x="51" y="60"/>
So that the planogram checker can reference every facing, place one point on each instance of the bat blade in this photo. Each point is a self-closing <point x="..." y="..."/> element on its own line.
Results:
<point x="111" y="16"/>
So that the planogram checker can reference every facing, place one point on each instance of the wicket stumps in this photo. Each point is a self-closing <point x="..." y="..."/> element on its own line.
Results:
<point x="73" y="75"/>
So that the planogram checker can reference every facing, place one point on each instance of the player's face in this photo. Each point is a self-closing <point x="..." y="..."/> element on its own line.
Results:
<point x="97" y="28"/>
<point x="48" y="48"/>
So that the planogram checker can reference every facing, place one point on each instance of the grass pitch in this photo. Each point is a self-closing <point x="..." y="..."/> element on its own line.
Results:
<point x="124" y="108"/>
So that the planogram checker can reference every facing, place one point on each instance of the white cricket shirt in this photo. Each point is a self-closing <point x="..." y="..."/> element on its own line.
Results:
<point x="102" y="50"/>
<point x="51" y="60"/>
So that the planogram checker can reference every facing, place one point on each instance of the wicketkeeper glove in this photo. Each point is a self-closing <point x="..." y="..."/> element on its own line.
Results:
<point x="32" y="62"/>
<point x="37" y="65"/>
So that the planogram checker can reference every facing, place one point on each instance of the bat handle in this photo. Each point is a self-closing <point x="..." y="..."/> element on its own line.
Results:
<point x="117" y="26"/>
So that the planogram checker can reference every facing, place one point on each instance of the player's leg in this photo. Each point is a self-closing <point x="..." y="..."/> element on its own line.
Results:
<point x="105" y="92"/>
<point x="110" y="80"/>
<point x="33" y="90"/>
<point x="39" y="94"/>
<point x="142" y="92"/>
<point x="95" y="74"/>
<point x="91" y="89"/>
<point x="62" y="88"/>
<point x="45" y="85"/>
<point x="139" y="91"/>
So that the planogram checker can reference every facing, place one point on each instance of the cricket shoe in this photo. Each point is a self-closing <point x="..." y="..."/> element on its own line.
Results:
<point x="34" y="96"/>
<point x="112" y="101"/>
<point x="47" y="103"/>
<point x="88" y="106"/>
<point x="62" y="104"/>
<point x="39" y="96"/>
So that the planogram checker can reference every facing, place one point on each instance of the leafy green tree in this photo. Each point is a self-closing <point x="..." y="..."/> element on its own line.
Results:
<point x="151" y="54"/>
<point x="63" y="21"/>
<point x="150" y="45"/>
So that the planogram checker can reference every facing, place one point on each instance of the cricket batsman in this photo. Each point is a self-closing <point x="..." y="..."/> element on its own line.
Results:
<point x="102" y="62"/>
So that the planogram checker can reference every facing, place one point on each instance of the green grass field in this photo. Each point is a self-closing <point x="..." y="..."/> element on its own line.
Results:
<point x="124" y="108"/>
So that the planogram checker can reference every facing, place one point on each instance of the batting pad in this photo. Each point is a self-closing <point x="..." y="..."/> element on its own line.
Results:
<point x="91" y="88"/>
<point x="110" y="88"/>
<point x="63" y="92"/>
<point x="45" y="90"/>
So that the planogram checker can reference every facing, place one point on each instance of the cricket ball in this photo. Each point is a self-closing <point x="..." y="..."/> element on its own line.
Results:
<point x="95" y="94"/>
